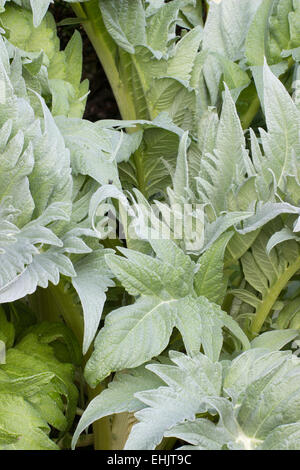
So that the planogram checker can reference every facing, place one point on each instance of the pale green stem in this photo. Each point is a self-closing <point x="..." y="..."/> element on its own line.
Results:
<point x="273" y="294"/>
<point x="106" y="50"/>
<point x="101" y="427"/>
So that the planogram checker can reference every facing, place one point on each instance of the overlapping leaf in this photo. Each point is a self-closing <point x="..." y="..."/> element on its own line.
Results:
<point x="263" y="413"/>
<point x="134" y="334"/>
<point x="54" y="74"/>
<point x="34" y="388"/>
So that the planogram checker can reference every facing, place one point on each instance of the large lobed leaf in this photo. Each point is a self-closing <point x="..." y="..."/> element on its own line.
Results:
<point x="135" y="333"/>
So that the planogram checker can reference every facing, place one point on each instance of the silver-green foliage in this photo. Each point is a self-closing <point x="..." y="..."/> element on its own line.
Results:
<point x="252" y="407"/>
<point x="39" y="8"/>
<point x="165" y="299"/>
<point x="249" y="403"/>
<point x="44" y="210"/>
<point x="216" y="390"/>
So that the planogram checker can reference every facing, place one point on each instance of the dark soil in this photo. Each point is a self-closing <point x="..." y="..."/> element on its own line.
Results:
<point x="101" y="103"/>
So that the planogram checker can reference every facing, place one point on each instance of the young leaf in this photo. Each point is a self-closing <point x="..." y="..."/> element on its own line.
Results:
<point x="226" y="166"/>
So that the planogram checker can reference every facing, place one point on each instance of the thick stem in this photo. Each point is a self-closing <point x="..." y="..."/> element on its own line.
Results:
<point x="272" y="296"/>
<point x="106" y="50"/>
<point x="122" y="424"/>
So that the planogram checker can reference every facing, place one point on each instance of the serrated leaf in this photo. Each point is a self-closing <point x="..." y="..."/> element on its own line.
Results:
<point x="279" y="237"/>
<point x="148" y="324"/>
<point x="181" y="402"/>
<point x="226" y="165"/>
<point x="24" y="428"/>
<point x="281" y="143"/>
<point x="274" y="340"/>
<point x="266" y="212"/>
<point x="125" y="22"/>
<point x="127" y="326"/>
<point x="201" y="433"/>
<point x="258" y="416"/>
